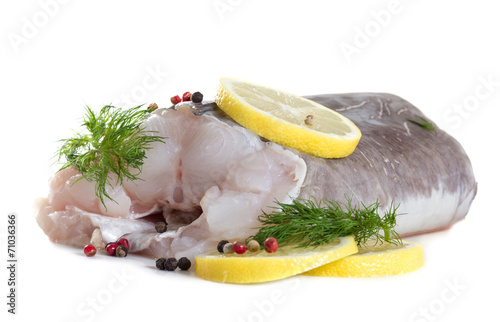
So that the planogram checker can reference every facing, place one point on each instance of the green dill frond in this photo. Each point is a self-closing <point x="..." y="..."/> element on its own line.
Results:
<point x="306" y="223"/>
<point x="113" y="145"/>
<point x="426" y="124"/>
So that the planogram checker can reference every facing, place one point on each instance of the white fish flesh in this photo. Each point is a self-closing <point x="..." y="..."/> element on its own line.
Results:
<point x="212" y="178"/>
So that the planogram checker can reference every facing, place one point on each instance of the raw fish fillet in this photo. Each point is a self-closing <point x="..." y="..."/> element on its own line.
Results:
<point x="212" y="178"/>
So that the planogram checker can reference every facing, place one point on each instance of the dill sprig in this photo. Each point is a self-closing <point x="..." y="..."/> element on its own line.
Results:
<point x="426" y="124"/>
<point x="115" y="143"/>
<point x="307" y="223"/>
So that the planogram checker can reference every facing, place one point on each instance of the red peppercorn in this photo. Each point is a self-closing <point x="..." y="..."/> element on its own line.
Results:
<point x="239" y="248"/>
<point x="153" y="106"/>
<point x="186" y="96"/>
<point x="124" y="242"/>
<point x="89" y="250"/>
<point x="271" y="245"/>
<point x="111" y="249"/>
<point x="175" y="99"/>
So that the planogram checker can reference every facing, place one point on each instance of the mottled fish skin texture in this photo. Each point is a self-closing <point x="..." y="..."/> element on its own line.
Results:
<point x="427" y="173"/>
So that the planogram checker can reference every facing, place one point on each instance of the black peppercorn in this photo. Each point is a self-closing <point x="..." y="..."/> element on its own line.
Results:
<point x="121" y="251"/>
<point x="161" y="227"/>
<point x="160" y="263"/>
<point x="220" y="246"/>
<point x="197" y="97"/>
<point x="184" y="263"/>
<point x="171" y="264"/>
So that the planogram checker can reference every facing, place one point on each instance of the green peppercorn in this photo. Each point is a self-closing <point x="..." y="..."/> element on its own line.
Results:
<point x="220" y="246"/>
<point x="184" y="263"/>
<point x="171" y="264"/>
<point x="253" y="245"/>
<point x="160" y="263"/>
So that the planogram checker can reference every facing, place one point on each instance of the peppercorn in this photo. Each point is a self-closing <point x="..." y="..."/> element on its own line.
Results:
<point x="160" y="263"/>
<point x="186" y="96"/>
<point x="161" y="227"/>
<point x="124" y="242"/>
<point x="220" y="246"/>
<point x="153" y="106"/>
<point x="111" y="249"/>
<point x="184" y="263"/>
<point x="89" y="250"/>
<point x="175" y="99"/>
<point x="309" y="120"/>
<point x="121" y="251"/>
<point x="253" y="246"/>
<point x="197" y="97"/>
<point x="239" y="248"/>
<point x="271" y="245"/>
<point x="171" y="264"/>
<point x="228" y="248"/>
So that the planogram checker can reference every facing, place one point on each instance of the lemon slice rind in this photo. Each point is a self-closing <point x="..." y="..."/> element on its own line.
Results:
<point x="394" y="261"/>
<point x="279" y="117"/>
<point x="263" y="267"/>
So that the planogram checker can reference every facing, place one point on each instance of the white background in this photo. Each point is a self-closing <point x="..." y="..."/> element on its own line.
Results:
<point x="57" y="57"/>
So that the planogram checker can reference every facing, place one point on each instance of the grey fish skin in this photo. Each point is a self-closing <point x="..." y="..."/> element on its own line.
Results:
<point x="427" y="172"/>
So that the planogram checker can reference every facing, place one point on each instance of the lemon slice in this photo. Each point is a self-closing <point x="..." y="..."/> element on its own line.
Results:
<point x="380" y="260"/>
<point x="288" y="119"/>
<point x="262" y="267"/>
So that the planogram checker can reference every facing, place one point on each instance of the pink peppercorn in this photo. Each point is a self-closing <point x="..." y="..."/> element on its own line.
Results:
<point x="175" y="99"/>
<point x="239" y="248"/>
<point x="89" y="250"/>
<point x="111" y="249"/>
<point x="271" y="245"/>
<point x="124" y="242"/>
<point x="186" y="96"/>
